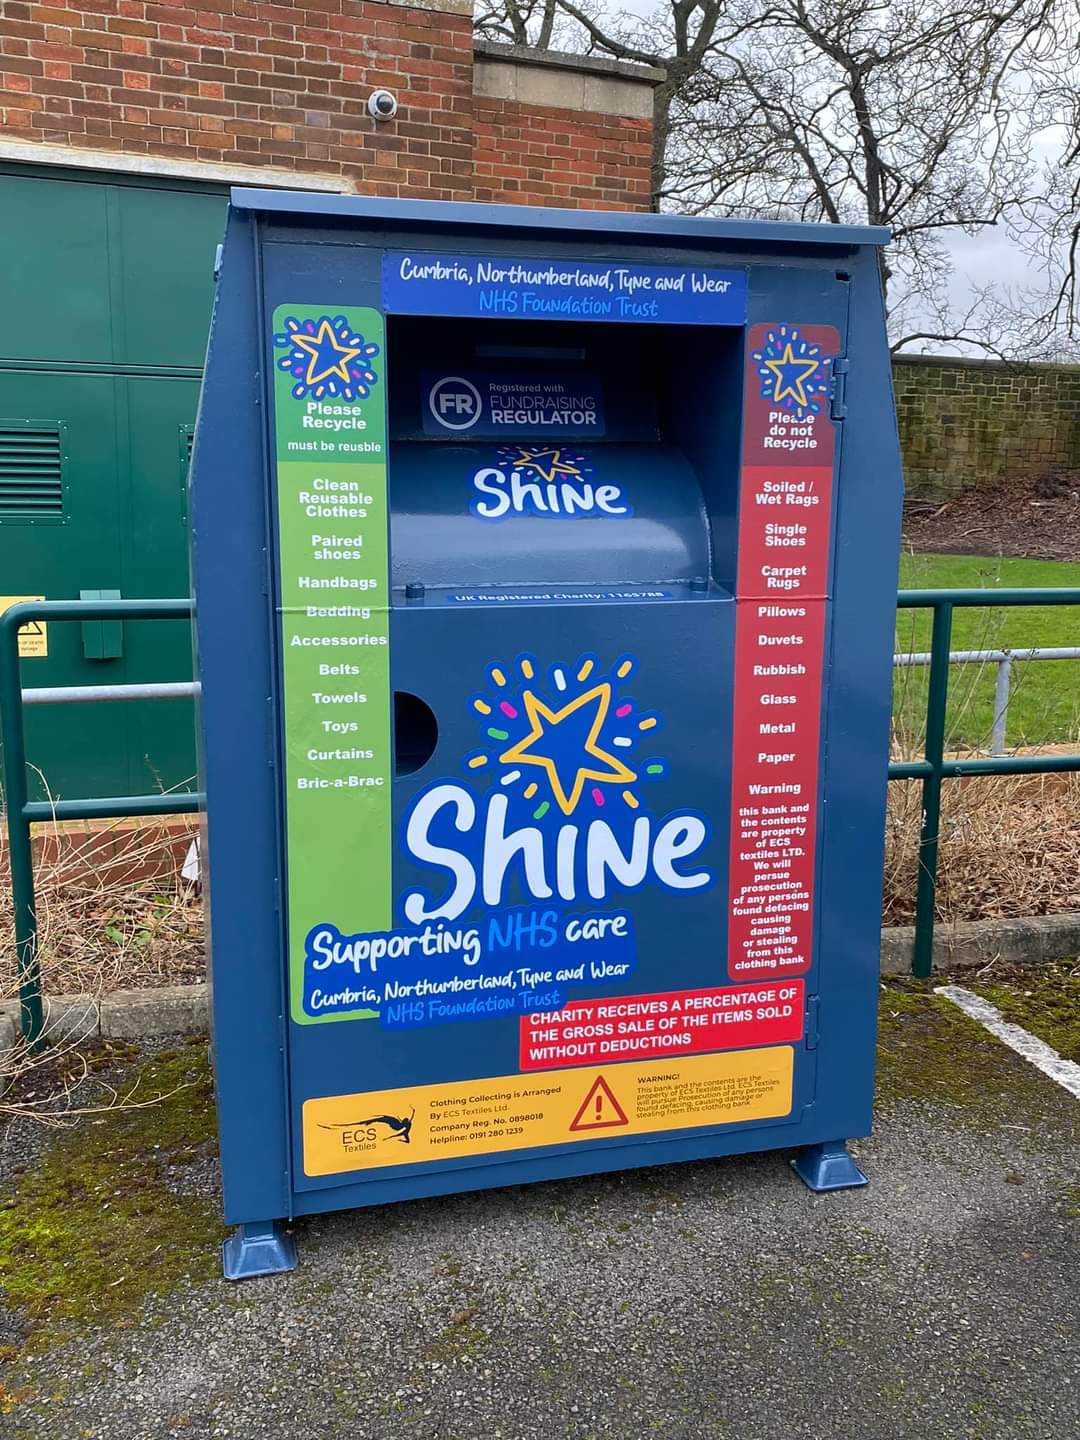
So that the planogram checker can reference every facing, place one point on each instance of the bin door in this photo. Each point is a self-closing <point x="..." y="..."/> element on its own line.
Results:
<point x="103" y="343"/>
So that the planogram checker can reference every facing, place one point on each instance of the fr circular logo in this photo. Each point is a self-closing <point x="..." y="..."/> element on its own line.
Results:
<point x="455" y="402"/>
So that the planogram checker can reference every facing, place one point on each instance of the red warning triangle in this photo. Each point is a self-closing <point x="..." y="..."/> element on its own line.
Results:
<point x="599" y="1110"/>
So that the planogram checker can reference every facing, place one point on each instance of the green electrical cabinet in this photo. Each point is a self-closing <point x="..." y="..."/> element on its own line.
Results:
<point x="101" y="356"/>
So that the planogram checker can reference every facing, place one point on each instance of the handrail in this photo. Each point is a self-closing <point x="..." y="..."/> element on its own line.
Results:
<point x="22" y="812"/>
<point x="1002" y="660"/>
<point x="933" y="768"/>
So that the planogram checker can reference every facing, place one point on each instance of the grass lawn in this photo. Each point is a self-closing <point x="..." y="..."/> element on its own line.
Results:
<point x="1045" y="697"/>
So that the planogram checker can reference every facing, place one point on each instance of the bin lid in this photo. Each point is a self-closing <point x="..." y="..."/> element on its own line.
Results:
<point x="374" y="209"/>
<point x="546" y="513"/>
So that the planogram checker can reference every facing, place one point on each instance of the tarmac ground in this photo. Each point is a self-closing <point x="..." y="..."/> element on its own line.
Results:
<point x="711" y="1301"/>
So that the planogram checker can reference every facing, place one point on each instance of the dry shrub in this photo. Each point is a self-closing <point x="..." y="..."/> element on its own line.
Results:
<point x="1009" y="845"/>
<point x="113" y="912"/>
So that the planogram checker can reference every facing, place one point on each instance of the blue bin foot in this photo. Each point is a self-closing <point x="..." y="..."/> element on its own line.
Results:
<point x="828" y="1167"/>
<point x="261" y="1248"/>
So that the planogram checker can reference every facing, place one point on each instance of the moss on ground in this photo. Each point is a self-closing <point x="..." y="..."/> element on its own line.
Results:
<point x="929" y="1050"/>
<point x="1045" y="1001"/>
<point x="93" y="1229"/>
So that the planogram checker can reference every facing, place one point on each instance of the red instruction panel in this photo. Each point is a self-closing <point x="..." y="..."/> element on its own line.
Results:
<point x="785" y="520"/>
<point x="676" y="1022"/>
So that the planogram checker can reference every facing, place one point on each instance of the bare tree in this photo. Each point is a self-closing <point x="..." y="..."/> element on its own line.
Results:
<point x="529" y="23"/>
<point x="678" y="38"/>
<point x="1056" y="241"/>
<point x="921" y="115"/>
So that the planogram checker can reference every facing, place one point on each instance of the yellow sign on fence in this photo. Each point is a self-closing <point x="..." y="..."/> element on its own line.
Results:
<point x="34" y="635"/>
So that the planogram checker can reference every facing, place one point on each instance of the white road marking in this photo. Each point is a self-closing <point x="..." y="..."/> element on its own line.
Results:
<point x="1044" y="1057"/>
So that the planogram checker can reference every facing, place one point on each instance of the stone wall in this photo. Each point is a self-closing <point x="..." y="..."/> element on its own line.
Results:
<point x="967" y="422"/>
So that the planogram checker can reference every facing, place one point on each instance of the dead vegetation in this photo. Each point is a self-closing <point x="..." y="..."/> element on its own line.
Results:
<point x="1009" y="847"/>
<point x="1037" y="518"/>
<point x="113" y="912"/>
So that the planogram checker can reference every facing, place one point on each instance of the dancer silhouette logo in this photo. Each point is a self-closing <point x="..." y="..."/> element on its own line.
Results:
<point x="367" y="1132"/>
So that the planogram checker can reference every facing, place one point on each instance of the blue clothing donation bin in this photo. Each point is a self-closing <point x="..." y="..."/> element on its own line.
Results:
<point x="545" y="568"/>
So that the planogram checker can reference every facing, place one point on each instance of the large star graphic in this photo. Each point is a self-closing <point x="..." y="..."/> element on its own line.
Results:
<point x="568" y="773"/>
<point x="328" y="355"/>
<point x="791" y="376"/>
<point x="556" y="464"/>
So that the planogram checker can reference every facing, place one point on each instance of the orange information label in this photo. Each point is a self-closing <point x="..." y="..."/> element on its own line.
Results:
<point x="464" y="1118"/>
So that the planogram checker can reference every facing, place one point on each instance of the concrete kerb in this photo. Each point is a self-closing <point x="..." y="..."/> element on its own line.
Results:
<point x="7" y="1045"/>
<point x="123" y="1015"/>
<point x="1034" y="940"/>
<point x="175" y="1010"/>
<point x="185" y="1009"/>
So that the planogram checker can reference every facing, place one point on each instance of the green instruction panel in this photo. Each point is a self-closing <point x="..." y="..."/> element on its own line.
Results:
<point x="334" y="595"/>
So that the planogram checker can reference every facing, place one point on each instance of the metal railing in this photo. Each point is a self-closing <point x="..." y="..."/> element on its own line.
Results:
<point x="933" y="768"/>
<point x="1002" y="660"/>
<point x="23" y="812"/>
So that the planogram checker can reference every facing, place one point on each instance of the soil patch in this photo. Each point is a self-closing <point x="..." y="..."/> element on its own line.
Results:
<point x="1033" y="519"/>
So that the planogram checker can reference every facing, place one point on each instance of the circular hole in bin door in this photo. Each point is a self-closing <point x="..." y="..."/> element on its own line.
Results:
<point x="416" y="733"/>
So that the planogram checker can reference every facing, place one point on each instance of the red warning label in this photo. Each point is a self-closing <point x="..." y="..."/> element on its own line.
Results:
<point x="675" y="1022"/>
<point x="599" y="1110"/>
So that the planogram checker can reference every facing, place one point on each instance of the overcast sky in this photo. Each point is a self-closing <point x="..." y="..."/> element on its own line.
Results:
<point x="989" y="258"/>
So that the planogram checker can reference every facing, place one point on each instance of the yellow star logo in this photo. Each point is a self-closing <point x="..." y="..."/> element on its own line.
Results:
<point x="543" y="720"/>
<point x="328" y="355"/>
<point x="556" y="465"/>
<point x="791" y="376"/>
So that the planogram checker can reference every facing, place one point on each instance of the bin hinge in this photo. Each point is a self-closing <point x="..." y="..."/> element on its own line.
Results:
<point x="840" y="366"/>
<point x="811" y="1022"/>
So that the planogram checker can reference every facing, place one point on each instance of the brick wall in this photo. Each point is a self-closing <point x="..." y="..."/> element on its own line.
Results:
<point x="284" y="87"/>
<point x="528" y="156"/>
<point x="963" y="422"/>
<point x="551" y="133"/>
